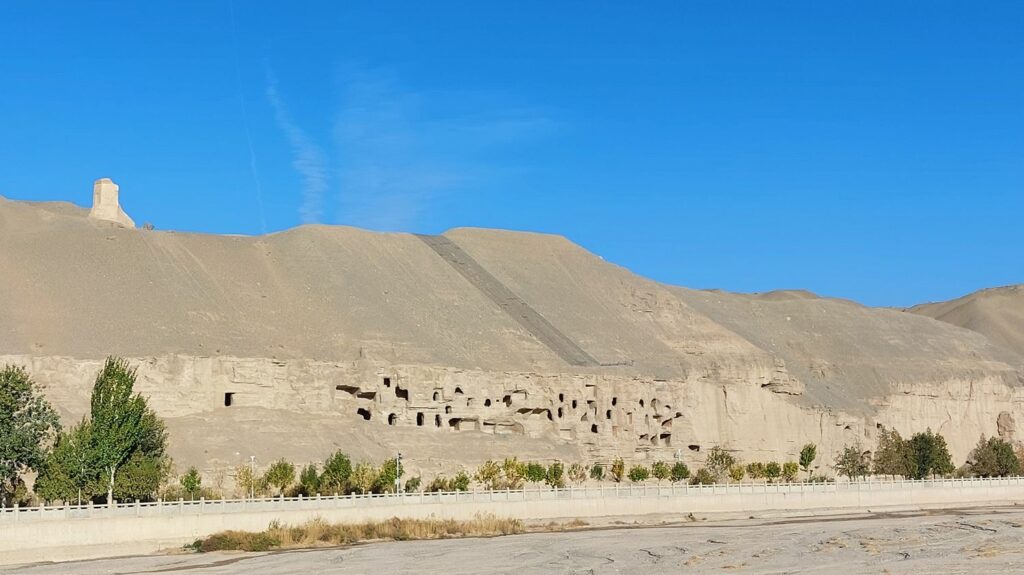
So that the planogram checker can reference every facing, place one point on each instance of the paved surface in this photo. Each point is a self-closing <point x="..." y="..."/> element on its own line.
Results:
<point x="975" y="541"/>
<point x="509" y="302"/>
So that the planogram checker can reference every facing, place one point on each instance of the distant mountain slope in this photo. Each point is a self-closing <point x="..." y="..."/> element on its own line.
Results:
<point x="998" y="313"/>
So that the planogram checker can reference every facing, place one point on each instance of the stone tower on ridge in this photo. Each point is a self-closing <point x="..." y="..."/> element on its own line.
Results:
<point x="105" y="204"/>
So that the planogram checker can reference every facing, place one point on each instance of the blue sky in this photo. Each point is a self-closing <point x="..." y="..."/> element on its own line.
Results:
<point x="868" y="150"/>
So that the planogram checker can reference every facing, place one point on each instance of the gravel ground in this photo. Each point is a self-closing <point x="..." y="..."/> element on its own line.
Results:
<point x="948" y="541"/>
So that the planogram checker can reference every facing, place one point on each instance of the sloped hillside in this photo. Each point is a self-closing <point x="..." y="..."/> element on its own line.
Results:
<point x="997" y="313"/>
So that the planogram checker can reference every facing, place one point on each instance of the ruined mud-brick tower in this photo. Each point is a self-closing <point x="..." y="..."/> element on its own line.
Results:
<point x="106" y="205"/>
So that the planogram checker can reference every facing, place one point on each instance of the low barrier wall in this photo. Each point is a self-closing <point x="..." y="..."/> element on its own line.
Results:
<point x="77" y="532"/>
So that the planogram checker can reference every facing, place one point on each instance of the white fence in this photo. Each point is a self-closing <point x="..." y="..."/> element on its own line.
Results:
<point x="617" y="491"/>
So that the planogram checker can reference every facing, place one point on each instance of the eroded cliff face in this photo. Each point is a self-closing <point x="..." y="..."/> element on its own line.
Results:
<point x="220" y="410"/>
<point x="474" y="345"/>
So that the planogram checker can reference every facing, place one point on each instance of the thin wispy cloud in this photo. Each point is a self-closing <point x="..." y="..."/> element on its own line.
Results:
<point x="400" y="151"/>
<point x="307" y="157"/>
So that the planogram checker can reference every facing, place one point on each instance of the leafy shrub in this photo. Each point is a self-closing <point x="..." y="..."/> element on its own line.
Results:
<point x="772" y="470"/>
<point x="281" y="474"/>
<point x="387" y="476"/>
<point x="638" y="473"/>
<point x="535" y="472"/>
<point x="309" y="481"/>
<point x="439" y="484"/>
<point x="460" y="482"/>
<point x="680" y="472"/>
<point x="736" y="472"/>
<point x="413" y="484"/>
<point x="490" y="475"/>
<point x="660" y="470"/>
<point x="363" y="478"/>
<point x="191" y="483"/>
<point x="514" y="472"/>
<point x="756" y="470"/>
<point x="555" y="475"/>
<point x="702" y="477"/>
<point x="789" y="471"/>
<point x="597" y="472"/>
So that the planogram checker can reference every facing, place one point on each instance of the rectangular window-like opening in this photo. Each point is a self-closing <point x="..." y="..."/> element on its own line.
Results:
<point x="229" y="398"/>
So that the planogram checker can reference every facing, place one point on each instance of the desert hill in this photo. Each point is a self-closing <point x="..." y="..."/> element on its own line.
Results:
<point x="997" y="313"/>
<point x="498" y="336"/>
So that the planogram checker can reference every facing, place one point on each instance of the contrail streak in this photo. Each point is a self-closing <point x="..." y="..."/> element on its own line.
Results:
<point x="307" y="157"/>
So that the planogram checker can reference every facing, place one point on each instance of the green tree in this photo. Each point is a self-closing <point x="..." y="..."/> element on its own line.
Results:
<point x="27" y="424"/>
<point x="388" y="475"/>
<point x="281" y="474"/>
<point x="489" y="475"/>
<point x="309" y="480"/>
<point x="122" y="423"/>
<point x="702" y="477"/>
<point x="69" y="473"/>
<point x="363" y="477"/>
<point x="460" y="482"/>
<point x="853" y="462"/>
<point x="807" y="456"/>
<point x="756" y="470"/>
<point x="439" y="484"/>
<point x="335" y="477"/>
<point x="535" y="472"/>
<point x="789" y="471"/>
<point x="893" y="455"/>
<point x="192" y="483"/>
<point x="719" y="461"/>
<point x="618" y="469"/>
<point x="514" y="472"/>
<point x="413" y="484"/>
<point x="772" y="470"/>
<point x="638" y="473"/>
<point x="736" y="472"/>
<point x="930" y="455"/>
<point x="555" y="476"/>
<point x="993" y="457"/>
<point x="249" y="482"/>
<point x="660" y="470"/>
<point x="140" y="477"/>
<point x="577" y="473"/>
<point x="680" y="472"/>
<point x="597" y="472"/>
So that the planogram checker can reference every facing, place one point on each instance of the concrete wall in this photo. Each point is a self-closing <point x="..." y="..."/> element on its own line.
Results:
<point x="46" y="536"/>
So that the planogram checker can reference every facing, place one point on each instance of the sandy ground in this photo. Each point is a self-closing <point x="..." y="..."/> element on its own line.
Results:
<point x="949" y="541"/>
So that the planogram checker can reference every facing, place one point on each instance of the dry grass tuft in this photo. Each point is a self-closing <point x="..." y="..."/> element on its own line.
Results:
<point x="319" y="533"/>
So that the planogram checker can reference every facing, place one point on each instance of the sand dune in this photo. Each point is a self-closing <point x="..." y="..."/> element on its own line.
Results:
<point x="998" y="313"/>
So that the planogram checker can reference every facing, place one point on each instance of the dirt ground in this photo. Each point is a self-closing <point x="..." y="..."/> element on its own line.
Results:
<point x="948" y="541"/>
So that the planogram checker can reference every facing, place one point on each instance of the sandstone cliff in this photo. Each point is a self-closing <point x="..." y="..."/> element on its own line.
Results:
<point x="474" y="344"/>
